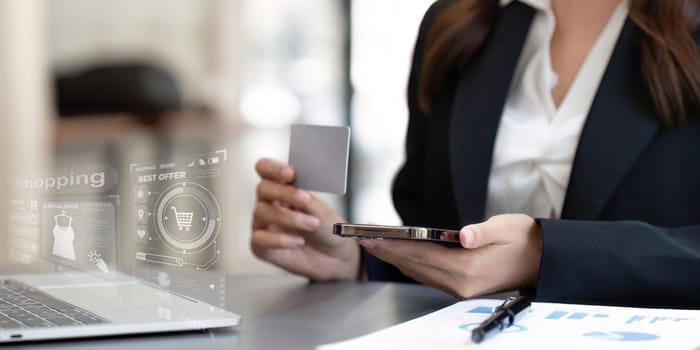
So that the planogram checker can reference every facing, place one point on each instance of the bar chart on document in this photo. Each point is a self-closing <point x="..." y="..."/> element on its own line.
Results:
<point x="546" y="326"/>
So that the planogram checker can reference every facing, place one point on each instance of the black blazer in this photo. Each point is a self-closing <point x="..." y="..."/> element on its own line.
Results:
<point x="630" y="228"/>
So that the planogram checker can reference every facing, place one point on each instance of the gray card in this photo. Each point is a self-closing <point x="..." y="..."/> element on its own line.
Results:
<point x="319" y="156"/>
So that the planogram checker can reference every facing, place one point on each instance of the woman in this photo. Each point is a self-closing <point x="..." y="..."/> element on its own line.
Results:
<point x="581" y="114"/>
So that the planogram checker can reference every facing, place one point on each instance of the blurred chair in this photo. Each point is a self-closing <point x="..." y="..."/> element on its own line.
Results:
<point x="138" y="89"/>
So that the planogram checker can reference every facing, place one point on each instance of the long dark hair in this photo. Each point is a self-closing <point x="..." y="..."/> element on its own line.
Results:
<point x="670" y="58"/>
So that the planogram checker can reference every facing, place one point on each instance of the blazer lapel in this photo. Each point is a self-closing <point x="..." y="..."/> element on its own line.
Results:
<point x="620" y="124"/>
<point x="478" y="104"/>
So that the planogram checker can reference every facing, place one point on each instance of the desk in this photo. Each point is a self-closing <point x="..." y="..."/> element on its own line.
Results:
<point x="287" y="312"/>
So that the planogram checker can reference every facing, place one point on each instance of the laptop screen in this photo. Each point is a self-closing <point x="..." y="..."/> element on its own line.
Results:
<point x="67" y="216"/>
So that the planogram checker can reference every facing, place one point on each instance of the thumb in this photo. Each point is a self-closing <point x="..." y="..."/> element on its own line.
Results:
<point x="499" y="229"/>
<point x="477" y="235"/>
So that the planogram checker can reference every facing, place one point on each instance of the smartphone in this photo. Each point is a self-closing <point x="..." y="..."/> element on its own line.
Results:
<point x="396" y="232"/>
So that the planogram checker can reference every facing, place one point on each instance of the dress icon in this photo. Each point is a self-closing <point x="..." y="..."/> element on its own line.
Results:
<point x="63" y="236"/>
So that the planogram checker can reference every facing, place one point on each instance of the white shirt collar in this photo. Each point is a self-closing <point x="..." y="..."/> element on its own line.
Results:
<point x="536" y="4"/>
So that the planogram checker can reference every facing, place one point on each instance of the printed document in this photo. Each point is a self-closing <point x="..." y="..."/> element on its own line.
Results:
<point x="545" y="326"/>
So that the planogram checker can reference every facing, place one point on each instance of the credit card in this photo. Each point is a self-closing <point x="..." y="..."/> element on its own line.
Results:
<point x="319" y="156"/>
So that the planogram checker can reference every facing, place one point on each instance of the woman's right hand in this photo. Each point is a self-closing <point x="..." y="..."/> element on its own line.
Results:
<point x="293" y="229"/>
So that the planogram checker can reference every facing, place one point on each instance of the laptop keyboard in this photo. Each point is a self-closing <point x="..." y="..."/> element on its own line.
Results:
<point x="22" y="306"/>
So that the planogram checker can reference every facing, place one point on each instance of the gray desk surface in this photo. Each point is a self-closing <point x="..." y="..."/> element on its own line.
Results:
<point x="286" y="312"/>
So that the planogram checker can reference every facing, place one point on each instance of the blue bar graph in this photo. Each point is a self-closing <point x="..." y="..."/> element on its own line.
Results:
<point x="480" y="310"/>
<point x="556" y="315"/>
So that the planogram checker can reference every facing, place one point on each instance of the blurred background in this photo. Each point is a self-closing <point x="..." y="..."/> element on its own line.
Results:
<point x="142" y="91"/>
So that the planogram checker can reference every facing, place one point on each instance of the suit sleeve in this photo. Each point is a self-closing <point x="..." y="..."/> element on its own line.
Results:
<point x="619" y="263"/>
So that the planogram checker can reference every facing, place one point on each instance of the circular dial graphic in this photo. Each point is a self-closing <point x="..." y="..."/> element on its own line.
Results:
<point x="187" y="218"/>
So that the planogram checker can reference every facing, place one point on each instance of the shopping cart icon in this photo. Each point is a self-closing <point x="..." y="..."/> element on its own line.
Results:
<point x="183" y="219"/>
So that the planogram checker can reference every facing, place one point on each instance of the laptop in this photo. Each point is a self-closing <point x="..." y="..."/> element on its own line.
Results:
<point x="89" y="294"/>
<point x="76" y="304"/>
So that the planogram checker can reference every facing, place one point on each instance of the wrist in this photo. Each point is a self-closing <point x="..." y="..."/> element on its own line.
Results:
<point x="351" y="264"/>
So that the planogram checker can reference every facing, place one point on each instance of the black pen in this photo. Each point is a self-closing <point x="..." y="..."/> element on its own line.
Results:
<point x="501" y="318"/>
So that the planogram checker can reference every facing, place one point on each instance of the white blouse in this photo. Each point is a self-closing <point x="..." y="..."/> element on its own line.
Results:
<point x="536" y="141"/>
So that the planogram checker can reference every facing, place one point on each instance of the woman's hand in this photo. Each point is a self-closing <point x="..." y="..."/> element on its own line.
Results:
<point x="502" y="253"/>
<point x="293" y="229"/>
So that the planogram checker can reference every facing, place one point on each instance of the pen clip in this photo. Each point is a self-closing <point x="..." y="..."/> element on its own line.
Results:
<point x="507" y="310"/>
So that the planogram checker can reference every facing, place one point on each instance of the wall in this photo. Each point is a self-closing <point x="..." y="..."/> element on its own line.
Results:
<point x="25" y="122"/>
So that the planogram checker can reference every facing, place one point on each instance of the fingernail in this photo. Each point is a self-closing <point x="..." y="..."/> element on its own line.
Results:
<point x="469" y="236"/>
<point x="302" y="196"/>
<point x="311" y="222"/>
<point x="367" y="243"/>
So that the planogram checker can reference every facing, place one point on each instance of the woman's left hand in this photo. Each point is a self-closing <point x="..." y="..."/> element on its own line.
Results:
<point x="502" y="253"/>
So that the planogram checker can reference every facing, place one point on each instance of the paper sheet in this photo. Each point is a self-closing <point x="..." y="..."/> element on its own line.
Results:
<point x="546" y="326"/>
